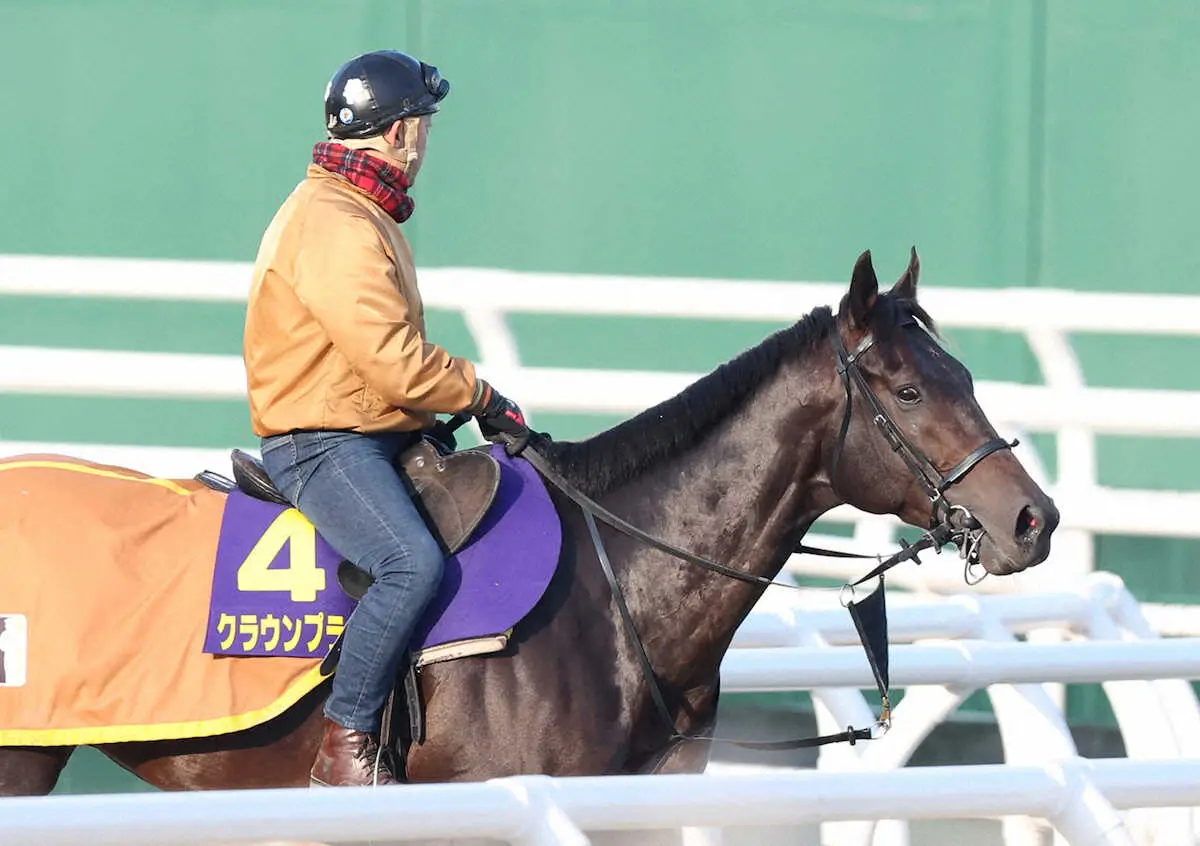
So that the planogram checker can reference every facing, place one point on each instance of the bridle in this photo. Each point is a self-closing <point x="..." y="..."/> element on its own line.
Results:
<point x="953" y="523"/>
<point x="948" y="523"/>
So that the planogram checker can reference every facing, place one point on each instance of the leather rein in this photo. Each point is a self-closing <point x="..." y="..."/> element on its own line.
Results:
<point x="949" y="523"/>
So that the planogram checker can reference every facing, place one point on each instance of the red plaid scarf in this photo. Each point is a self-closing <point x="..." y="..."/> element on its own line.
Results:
<point x="386" y="184"/>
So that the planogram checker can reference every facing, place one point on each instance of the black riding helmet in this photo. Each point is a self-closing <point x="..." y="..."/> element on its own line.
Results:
<point x="372" y="91"/>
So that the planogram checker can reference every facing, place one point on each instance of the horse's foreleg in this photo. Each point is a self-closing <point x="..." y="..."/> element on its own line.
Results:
<point x="31" y="770"/>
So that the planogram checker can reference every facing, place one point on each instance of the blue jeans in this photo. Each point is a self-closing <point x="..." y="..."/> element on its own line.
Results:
<point x="347" y="485"/>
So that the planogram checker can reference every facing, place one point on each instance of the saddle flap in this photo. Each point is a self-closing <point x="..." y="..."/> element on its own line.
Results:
<point x="453" y="492"/>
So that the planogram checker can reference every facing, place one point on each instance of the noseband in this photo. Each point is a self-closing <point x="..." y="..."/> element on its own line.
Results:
<point x="953" y="522"/>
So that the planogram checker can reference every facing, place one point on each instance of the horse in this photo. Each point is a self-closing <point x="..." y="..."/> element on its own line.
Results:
<point x="862" y="405"/>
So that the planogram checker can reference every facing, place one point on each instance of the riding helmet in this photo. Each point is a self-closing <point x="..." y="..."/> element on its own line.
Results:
<point x="372" y="91"/>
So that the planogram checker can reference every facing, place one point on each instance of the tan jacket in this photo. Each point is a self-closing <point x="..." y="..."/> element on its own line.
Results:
<point x="335" y="329"/>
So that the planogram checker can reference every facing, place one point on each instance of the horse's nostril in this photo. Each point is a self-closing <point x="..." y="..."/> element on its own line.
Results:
<point x="1030" y="522"/>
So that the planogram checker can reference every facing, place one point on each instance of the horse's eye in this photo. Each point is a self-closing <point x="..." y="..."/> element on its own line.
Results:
<point x="908" y="395"/>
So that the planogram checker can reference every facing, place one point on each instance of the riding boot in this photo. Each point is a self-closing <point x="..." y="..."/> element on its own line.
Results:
<point x="349" y="758"/>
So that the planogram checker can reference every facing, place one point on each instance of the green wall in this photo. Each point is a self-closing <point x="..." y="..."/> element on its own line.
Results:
<point x="1015" y="142"/>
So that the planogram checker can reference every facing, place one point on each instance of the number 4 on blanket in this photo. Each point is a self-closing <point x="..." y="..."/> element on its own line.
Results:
<point x="274" y="588"/>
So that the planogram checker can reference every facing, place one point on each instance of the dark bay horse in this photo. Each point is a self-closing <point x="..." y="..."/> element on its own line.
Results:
<point x="735" y="468"/>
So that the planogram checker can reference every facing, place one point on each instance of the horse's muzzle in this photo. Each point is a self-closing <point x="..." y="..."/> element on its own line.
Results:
<point x="1034" y="525"/>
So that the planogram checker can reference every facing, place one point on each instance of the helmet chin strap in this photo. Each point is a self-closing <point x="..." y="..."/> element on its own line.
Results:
<point x="400" y="156"/>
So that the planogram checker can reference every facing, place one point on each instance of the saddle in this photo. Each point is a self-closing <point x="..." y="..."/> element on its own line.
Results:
<point x="452" y="492"/>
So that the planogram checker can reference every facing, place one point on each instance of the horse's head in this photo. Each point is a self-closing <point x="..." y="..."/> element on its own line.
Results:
<point x="914" y="442"/>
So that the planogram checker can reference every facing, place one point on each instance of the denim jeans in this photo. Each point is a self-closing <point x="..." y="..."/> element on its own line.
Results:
<point x="347" y="485"/>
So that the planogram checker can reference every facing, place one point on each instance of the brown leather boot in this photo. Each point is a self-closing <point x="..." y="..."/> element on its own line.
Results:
<point x="347" y="758"/>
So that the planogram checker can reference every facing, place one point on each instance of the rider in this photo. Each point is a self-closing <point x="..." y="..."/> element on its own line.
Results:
<point x="341" y="379"/>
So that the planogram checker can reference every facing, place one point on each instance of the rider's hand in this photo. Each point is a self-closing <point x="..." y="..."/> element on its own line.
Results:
<point x="498" y="415"/>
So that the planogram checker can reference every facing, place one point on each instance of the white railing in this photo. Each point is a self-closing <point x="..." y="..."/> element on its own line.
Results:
<point x="485" y="297"/>
<point x="965" y="643"/>
<point x="1079" y="797"/>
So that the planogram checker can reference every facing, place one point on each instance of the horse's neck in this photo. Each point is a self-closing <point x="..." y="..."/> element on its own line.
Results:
<point x="742" y="498"/>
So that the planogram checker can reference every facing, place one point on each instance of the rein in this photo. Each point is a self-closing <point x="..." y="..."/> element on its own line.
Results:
<point x="949" y="523"/>
<point x="592" y="511"/>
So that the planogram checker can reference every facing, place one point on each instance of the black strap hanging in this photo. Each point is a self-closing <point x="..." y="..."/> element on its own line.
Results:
<point x="870" y="619"/>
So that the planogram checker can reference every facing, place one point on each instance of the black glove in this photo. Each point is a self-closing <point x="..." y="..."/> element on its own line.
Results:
<point x="502" y="421"/>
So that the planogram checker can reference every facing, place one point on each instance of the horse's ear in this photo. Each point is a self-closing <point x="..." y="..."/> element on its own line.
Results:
<point x="864" y="288"/>
<point x="906" y="286"/>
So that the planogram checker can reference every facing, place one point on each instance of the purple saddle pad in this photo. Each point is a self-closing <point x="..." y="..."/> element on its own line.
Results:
<point x="493" y="581"/>
<point x="275" y="588"/>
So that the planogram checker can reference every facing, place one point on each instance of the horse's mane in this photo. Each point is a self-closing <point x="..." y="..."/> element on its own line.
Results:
<point x="622" y="453"/>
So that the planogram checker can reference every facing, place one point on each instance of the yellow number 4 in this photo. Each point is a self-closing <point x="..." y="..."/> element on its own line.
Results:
<point x="302" y="578"/>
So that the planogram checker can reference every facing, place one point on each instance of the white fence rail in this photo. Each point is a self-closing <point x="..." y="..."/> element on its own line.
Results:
<point x="950" y="647"/>
<point x="1079" y="797"/>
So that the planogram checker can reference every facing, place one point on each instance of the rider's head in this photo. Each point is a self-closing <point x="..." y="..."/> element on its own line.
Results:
<point x="383" y="101"/>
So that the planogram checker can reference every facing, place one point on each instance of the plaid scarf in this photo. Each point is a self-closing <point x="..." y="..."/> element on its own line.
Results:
<point x="386" y="184"/>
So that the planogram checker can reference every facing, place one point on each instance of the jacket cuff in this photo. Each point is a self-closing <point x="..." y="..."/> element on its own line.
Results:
<point x="483" y="394"/>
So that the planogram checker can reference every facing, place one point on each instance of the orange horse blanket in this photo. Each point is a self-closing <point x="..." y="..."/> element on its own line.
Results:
<point x="110" y="573"/>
